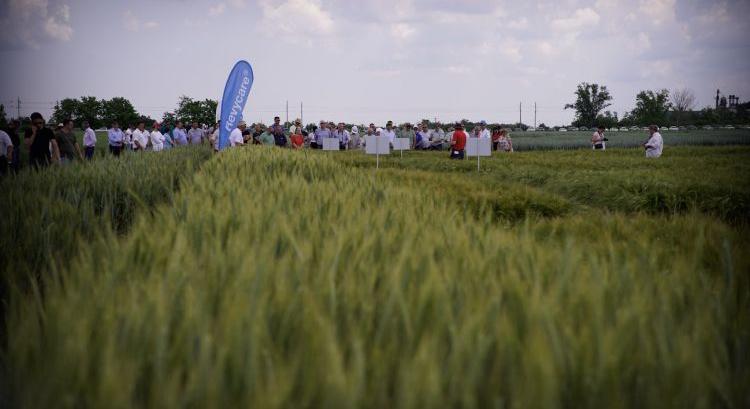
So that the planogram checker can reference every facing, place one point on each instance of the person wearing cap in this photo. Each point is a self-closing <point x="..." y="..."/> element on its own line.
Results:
<point x="66" y="140"/>
<point x="458" y="142"/>
<point x="235" y="138"/>
<point x="89" y="140"/>
<point x="483" y="131"/>
<point x="321" y="133"/>
<point x="296" y="127"/>
<point x="389" y="132"/>
<point x="355" y="141"/>
<point x="157" y="139"/>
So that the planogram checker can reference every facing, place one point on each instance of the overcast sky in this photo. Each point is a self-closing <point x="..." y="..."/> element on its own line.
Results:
<point x="373" y="60"/>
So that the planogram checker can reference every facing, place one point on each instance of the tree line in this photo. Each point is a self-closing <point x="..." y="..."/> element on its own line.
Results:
<point x="660" y="107"/>
<point x="102" y="112"/>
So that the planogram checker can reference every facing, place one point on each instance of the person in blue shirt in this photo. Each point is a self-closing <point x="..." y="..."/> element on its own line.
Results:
<point x="115" y="136"/>
<point x="179" y="135"/>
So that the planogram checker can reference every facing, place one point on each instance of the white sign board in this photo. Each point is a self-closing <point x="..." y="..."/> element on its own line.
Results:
<point x="330" y="144"/>
<point x="377" y="145"/>
<point x="478" y="147"/>
<point x="401" y="144"/>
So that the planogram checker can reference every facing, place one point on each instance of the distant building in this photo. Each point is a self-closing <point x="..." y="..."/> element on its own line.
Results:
<point x="724" y="103"/>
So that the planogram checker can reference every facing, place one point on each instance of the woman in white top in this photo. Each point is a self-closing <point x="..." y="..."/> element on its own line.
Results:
<point x="157" y="139"/>
<point x="655" y="143"/>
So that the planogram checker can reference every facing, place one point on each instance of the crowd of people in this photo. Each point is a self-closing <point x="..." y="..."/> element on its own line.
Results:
<point x="420" y="137"/>
<point x="46" y="146"/>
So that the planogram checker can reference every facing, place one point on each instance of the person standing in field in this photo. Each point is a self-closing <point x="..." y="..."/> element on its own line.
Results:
<point x="89" y="140"/>
<point x="195" y="134"/>
<point x="598" y="140"/>
<point x="214" y="138"/>
<point x="43" y="148"/>
<point x="422" y="138"/>
<point x="321" y="133"/>
<point x="157" y="139"/>
<point x="483" y="131"/>
<point x="342" y="135"/>
<point x="408" y="132"/>
<point x="278" y="132"/>
<point x="179" y="135"/>
<point x="140" y="137"/>
<point x="297" y="141"/>
<point x="66" y="140"/>
<point x="235" y="138"/>
<point x="355" y="142"/>
<point x="655" y="143"/>
<point x="389" y="132"/>
<point x="115" y="136"/>
<point x="6" y="152"/>
<point x="127" y="138"/>
<point x="458" y="142"/>
<point x="504" y="143"/>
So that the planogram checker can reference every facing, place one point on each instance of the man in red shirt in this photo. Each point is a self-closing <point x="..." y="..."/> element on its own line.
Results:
<point x="458" y="142"/>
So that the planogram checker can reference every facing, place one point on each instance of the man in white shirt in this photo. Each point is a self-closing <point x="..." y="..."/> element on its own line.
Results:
<point x="389" y="132"/>
<point x="157" y="139"/>
<point x="235" y="138"/>
<point x="483" y="131"/>
<point x="140" y="137"/>
<point x="89" y="140"/>
<point x="655" y="143"/>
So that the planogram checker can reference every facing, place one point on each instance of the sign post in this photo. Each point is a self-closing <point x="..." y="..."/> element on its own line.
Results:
<point x="478" y="147"/>
<point x="330" y="144"/>
<point x="377" y="145"/>
<point x="402" y="144"/>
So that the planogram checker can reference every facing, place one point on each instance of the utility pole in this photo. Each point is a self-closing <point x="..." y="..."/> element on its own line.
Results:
<point x="519" y="115"/>
<point x="18" y="109"/>
<point x="534" y="115"/>
<point x="287" y="111"/>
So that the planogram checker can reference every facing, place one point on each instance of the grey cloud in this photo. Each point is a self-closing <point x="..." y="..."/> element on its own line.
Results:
<point x="30" y="23"/>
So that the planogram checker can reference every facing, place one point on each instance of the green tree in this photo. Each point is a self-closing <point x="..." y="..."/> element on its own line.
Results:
<point x="607" y="120"/>
<point x="651" y="107"/>
<point x="591" y="99"/>
<point x="119" y="109"/>
<point x="683" y="101"/>
<point x="65" y="109"/>
<point x="190" y="110"/>
<point x="90" y="109"/>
